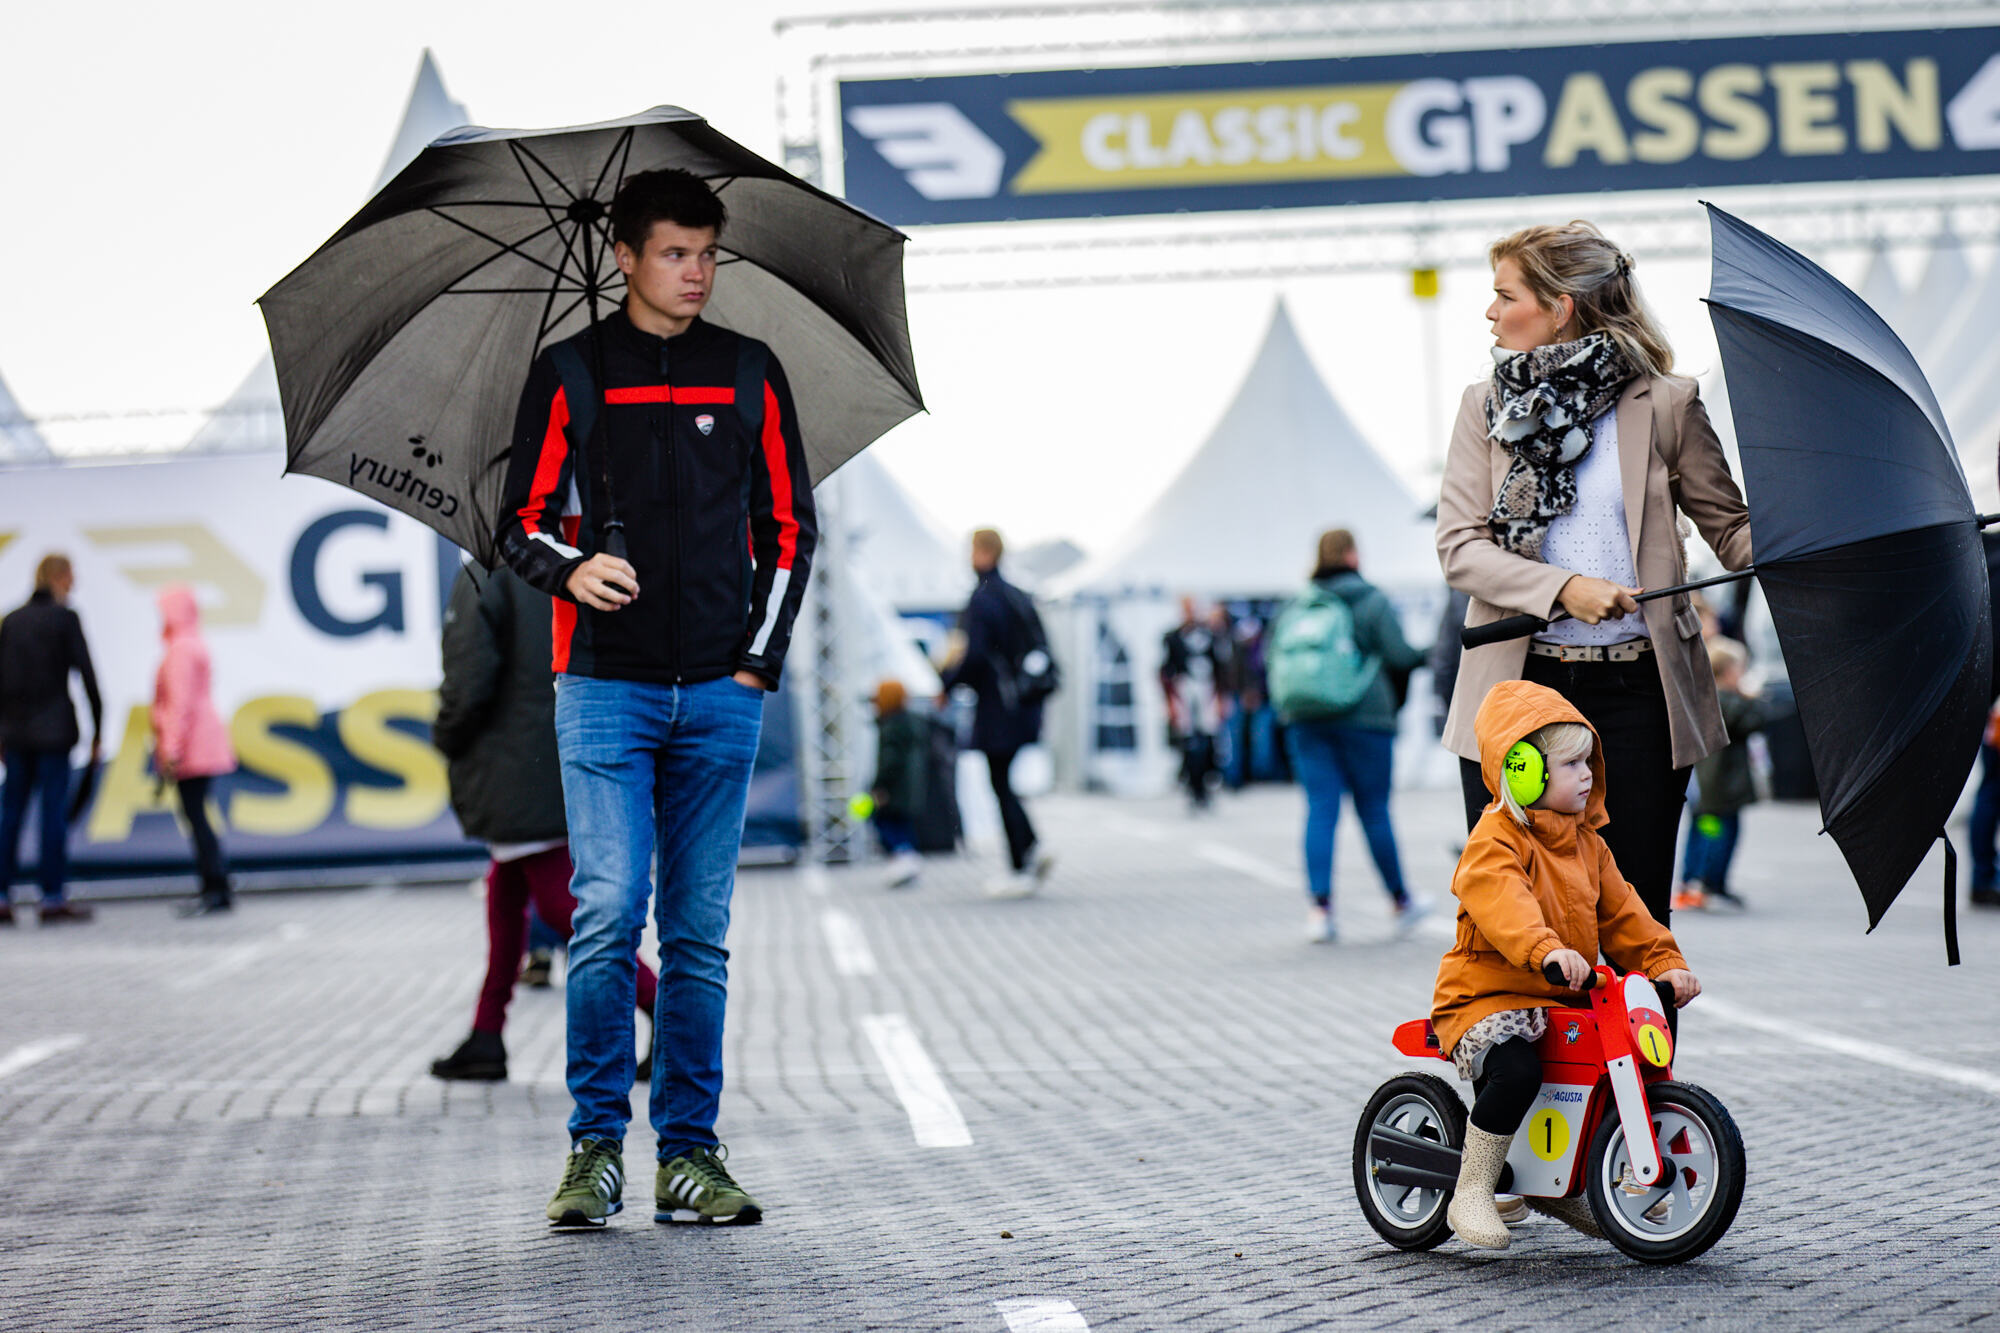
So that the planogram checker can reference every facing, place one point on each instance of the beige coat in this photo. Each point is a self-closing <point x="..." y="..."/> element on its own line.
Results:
<point x="1660" y="417"/>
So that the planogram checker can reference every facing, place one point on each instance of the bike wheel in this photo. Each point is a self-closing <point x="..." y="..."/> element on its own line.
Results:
<point x="1698" y="1194"/>
<point x="1410" y="1217"/>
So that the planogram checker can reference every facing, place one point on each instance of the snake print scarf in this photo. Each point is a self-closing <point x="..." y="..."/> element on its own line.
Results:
<point x="1540" y="411"/>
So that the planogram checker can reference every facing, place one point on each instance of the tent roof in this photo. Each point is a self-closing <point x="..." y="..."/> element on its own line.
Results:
<point x="1282" y="465"/>
<point x="909" y="559"/>
<point x="251" y="419"/>
<point x="20" y="442"/>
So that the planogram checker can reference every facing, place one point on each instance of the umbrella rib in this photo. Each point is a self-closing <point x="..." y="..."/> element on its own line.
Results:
<point x="624" y="143"/>
<point x="521" y="150"/>
<point x="506" y="247"/>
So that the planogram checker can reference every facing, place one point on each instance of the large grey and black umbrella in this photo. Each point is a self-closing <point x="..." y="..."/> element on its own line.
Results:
<point x="403" y="342"/>
<point x="1868" y="550"/>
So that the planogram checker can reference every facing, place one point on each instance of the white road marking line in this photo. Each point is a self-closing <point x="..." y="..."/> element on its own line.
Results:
<point x="1036" y="1315"/>
<point x="1853" y="1047"/>
<point x="934" y="1116"/>
<point x="812" y="876"/>
<point x="851" y="955"/>
<point x="1256" y="867"/>
<point x="24" y="1057"/>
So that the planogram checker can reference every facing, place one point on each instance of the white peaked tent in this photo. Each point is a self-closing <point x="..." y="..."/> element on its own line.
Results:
<point x="251" y="419"/>
<point x="1282" y="465"/>
<point x="20" y="442"/>
<point x="908" y="559"/>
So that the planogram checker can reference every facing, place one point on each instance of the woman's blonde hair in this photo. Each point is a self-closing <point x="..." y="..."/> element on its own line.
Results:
<point x="1578" y="261"/>
<point x="1559" y="743"/>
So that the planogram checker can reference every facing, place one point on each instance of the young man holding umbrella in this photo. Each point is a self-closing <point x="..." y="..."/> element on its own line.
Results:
<point x="686" y="432"/>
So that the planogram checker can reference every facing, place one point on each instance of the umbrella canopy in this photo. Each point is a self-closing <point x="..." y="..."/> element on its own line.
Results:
<point x="403" y="342"/>
<point x="1867" y="547"/>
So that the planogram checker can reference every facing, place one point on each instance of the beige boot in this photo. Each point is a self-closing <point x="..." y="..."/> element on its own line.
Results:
<point x="1572" y="1213"/>
<point x="1472" y="1213"/>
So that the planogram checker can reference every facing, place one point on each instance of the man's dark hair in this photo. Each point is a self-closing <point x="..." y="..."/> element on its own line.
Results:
<point x="668" y="195"/>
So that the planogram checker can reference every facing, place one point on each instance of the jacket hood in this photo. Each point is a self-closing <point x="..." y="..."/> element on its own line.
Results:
<point x="178" y="613"/>
<point x="1515" y="709"/>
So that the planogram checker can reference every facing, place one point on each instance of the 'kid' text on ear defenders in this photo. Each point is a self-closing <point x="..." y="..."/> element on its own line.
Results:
<point x="1526" y="773"/>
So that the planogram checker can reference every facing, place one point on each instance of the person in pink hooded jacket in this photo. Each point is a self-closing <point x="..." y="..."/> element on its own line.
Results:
<point x="190" y="744"/>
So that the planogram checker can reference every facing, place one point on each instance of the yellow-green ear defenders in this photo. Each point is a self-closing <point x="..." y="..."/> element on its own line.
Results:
<point x="1526" y="773"/>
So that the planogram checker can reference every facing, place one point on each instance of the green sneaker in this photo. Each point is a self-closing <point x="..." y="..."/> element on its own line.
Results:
<point x="696" y="1187"/>
<point x="593" y="1185"/>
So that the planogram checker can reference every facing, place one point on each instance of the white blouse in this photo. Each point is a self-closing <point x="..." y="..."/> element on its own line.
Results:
<point x="1592" y="538"/>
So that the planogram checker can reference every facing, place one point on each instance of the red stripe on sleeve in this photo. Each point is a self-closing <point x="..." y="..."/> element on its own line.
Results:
<point x="781" y="481"/>
<point x="548" y="468"/>
<point x="563" y="624"/>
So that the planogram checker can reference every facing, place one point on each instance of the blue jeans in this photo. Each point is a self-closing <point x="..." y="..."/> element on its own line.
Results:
<point x="1985" y="818"/>
<point x="29" y="771"/>
<point x="1709" y="853"/>
<point x="1329" y="759"/>
<point x="895" y="833"/>
<point x="649" y="768"/>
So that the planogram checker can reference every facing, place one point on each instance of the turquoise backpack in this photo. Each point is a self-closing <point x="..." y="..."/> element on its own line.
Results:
<point x="1315" y="667"/>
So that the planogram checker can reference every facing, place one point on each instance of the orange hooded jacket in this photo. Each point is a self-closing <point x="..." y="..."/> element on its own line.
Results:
<point x="1523" y="893"/>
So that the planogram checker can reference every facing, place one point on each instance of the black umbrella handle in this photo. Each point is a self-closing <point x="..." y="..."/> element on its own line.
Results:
<point x="1519" y="627"/>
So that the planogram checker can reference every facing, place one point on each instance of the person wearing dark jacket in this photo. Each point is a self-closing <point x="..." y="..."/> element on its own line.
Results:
<point x="1352" y="753"/>
<point x="496" y="724"/>
<point x="901" y="785"/>
<point x="996" y="632"/>
<point x="41" y="643"/>
<point x="677" y="551"/>
<point x="1197" y="665"/>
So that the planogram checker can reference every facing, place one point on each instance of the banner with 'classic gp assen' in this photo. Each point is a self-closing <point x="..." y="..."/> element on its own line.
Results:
<point x="1450" y="125"/>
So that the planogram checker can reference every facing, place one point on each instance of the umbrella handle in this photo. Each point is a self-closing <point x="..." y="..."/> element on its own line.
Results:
<point x="1513" y="627"/>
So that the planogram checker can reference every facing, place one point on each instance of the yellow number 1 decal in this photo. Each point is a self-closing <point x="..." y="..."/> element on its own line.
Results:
<point x="1653" y="1044"/>
<point x="1548" y="1134"/>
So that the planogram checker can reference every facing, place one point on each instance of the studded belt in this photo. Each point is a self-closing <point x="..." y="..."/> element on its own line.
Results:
<point x="1629" y="651"/>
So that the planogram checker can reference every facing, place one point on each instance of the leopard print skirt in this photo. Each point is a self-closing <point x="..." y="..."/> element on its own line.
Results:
<point x="1470" y="1053"/>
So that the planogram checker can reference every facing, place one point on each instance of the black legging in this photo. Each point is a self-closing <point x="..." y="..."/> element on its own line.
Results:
<point x="1643" y="791"/>
<point x="207" y="847"/>
<point x="1512" y="1075"/>
<point x="1013" y="818"/>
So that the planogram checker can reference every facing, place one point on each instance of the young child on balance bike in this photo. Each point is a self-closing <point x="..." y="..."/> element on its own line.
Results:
<point x="1535" y="886"/>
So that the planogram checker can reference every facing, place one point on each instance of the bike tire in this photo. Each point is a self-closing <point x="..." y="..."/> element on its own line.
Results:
<point x="1682" y="1114"/>
<point x="1429" y="1107"/>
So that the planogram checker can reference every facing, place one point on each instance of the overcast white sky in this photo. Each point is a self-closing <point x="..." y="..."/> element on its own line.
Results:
<point x="166" y="164"/>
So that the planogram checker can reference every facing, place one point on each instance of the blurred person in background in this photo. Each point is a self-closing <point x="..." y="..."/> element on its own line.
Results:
<point x="190" y="743"/>
<point x="902" y="781"/>
<point x="1724" y="785"/>
<point x="41" y="643"/>
<point x="1000" y="653"/>
<point x="1195" y="671"/>
<point x="1330" y="659"/>
<point x="1581" y="425"/>
<point x="496" y="724"/>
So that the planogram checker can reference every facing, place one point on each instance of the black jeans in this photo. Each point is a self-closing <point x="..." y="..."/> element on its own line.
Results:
<point x="1013" y="818"/>
<point x="208" y="857"/>
<point x="1643" y="791"/>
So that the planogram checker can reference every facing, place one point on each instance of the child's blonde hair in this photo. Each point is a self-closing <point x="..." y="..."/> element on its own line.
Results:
<point x="1559" y="743"/>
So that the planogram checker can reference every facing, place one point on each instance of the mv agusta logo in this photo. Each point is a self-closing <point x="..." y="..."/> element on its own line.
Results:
<point x="1572" y="1032"/>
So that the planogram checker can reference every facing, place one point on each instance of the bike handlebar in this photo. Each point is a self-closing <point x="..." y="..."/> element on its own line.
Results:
<point x="1553" y="974"/>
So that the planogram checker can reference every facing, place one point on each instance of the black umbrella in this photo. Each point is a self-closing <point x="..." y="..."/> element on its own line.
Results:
<point x="402" y="343"/>
<point x="1867" y="549"/>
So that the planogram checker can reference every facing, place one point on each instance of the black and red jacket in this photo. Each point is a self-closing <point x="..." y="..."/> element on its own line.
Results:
<point x="718" y="526"/>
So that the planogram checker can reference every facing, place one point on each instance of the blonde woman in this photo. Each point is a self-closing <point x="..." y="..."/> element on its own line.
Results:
<point x="1568" y="472"/>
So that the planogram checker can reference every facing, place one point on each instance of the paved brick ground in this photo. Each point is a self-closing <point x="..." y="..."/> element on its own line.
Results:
<point x="1160" y="1078"/>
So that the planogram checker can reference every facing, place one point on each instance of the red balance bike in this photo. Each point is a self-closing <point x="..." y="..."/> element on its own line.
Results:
<point x="1660" y="1161"/>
